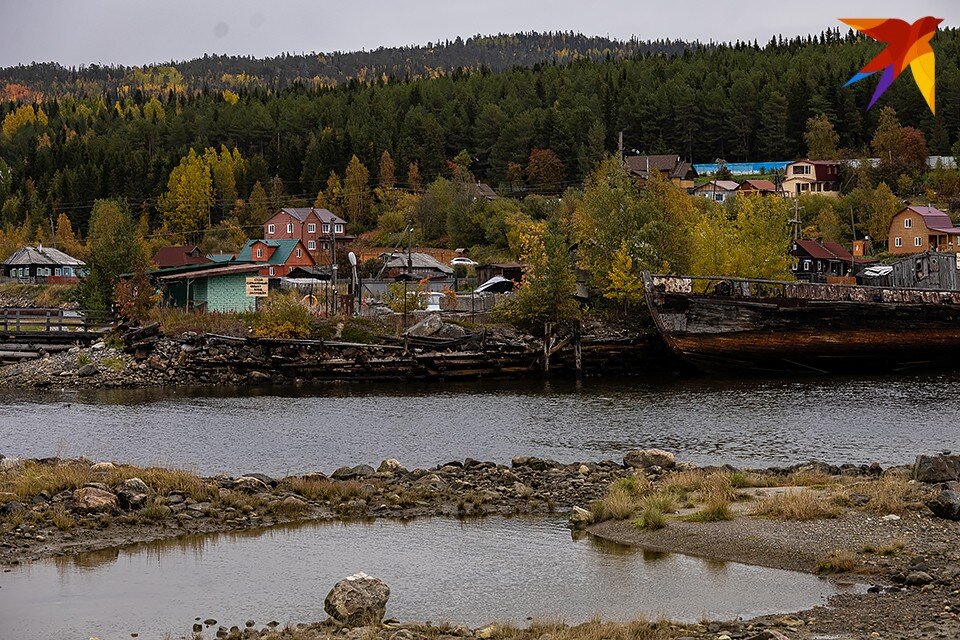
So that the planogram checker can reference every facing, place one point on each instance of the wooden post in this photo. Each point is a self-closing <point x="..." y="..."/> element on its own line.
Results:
<point x="577" y="350"/>
<point x="18" y="321"/>
<point x="546" y="347"/>
<point x="48" y="321"/>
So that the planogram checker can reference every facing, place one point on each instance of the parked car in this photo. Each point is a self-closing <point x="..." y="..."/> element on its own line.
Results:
<point x="467" y="262"/>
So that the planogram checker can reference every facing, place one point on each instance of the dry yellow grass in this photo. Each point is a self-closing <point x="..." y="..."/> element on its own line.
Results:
<point x="808" y="479"/>
<point x="796" y="505"/>
<point x="595" y="629"/>
<point x="839" y="561"/>
<point x="889" y="494"/>
<point x="332" y="490"/>
<point x="32" y="478"/>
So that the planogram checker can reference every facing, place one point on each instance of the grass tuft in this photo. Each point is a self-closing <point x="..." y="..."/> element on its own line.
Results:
<point x="839" y="561"/>
<point x="796" y="505"/>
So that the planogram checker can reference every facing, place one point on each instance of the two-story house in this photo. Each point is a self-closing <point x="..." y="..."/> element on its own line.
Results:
<point x="278" y="257"/>
<point x="819" y="177"/>
<point x="315" y="228"/>
<point x="918" y="229"/>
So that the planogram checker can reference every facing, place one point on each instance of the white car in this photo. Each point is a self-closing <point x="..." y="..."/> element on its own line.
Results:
<point x="467" y="262"/>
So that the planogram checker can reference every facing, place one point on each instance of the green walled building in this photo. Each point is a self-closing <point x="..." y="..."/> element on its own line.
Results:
<point x="208" y="287"/>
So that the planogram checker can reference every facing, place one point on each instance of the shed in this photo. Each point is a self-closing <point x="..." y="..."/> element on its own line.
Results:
<point x="939" y="271"/>
<point x="215" y="288"/>
<point x="421" y="264"/>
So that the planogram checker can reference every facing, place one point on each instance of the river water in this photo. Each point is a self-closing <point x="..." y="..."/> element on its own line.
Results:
<point x="291" y="430"/>
<point x="465" y="572"/>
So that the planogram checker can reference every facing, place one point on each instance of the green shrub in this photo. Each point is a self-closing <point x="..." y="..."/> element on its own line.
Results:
<point x="282" y="316"/>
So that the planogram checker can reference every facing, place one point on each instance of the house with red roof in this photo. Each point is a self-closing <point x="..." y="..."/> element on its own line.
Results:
<point x="815" y="177"/>
<point x="818" y="261"/>
<point x="918" y="229"/>
<point x="180" y="255"/>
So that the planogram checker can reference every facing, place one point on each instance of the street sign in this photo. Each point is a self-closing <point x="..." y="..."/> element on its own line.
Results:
<point x="258" y="286"/>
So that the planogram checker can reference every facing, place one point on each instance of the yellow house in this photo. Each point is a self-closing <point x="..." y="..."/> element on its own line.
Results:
<point x="820" y="177"/>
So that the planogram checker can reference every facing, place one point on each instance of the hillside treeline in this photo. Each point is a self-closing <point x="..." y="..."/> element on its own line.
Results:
<point x="541" y="128"/>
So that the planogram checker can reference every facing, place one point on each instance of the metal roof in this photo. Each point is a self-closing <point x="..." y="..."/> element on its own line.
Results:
<point x="301" y="213"/>
<point x="417" y="261"/>
<point x="42" y="255"/>
<point x="283" y="249"/>
<point x="935" y="219"/>
<point x="214" y="270"/>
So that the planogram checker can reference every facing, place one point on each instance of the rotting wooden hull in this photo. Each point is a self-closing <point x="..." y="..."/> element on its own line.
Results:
<point x="845" y="330"/>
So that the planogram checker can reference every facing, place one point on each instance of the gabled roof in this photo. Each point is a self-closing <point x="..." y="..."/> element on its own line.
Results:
<point x="669" y="164"/>
<point x="417" y="261"/>
<point x="178" y="256"/>
<point x="301" y="214"/>
<point x="282" y="251"/>
<point x="759" y="185"/>
<point x="934" y="219"/>
<point x="825" y="250"/>
<point x="823" y="170"/>
<point x="207" y="271"/>
<point x="486" y="191"/>
<point x="726" y="185"/>
<point x="42" y="255"/>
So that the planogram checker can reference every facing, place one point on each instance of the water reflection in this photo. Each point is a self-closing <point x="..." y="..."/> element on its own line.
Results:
<point x="469" y="572"/>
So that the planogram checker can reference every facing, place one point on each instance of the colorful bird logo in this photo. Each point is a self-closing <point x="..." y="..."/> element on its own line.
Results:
<point x="908" y="44"/>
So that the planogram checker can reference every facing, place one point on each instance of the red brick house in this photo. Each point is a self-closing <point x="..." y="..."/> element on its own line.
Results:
<point x="313" y="227"/>
<point x="279" y="257"/>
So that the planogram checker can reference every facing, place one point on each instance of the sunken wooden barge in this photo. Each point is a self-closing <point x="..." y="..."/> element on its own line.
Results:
<point x="724" y="325"/>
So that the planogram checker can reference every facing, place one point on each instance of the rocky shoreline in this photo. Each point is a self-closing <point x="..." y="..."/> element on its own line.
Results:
<point x="103" y="504"/>
<point x="895" y="529"/>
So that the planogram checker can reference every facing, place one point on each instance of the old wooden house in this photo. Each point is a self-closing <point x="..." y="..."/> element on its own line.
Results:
<point x="41" y="264"/>
<point x="818" y="261"/>
<point x="934" y="270"/>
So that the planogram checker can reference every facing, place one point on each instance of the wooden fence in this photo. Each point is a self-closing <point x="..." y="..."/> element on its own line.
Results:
<point x="52" y="321"/>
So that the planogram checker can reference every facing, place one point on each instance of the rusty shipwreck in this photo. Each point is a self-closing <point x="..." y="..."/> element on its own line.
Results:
<point x="723" y="324"/>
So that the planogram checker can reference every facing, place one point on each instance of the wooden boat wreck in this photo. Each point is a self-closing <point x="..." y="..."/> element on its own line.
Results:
<point x="723" y="324"/>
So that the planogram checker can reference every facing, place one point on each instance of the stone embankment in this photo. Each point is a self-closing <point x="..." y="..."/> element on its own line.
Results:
<point x="143" y="357"/>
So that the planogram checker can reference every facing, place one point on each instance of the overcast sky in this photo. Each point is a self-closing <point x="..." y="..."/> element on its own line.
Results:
<point x="75" y="32"/>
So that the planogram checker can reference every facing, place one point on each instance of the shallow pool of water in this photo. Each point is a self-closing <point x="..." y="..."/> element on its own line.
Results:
<point x="470" y="572"/>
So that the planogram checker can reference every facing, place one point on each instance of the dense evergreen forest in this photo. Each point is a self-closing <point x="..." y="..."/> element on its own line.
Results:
<point x="539" y="128"/>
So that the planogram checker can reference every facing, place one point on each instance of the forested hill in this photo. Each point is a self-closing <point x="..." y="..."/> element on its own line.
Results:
<point x="741" y="102"/>
<point x="494" y="53"/>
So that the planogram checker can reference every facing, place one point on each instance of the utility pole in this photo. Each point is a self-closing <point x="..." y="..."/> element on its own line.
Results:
<point x="795" y="222"/>
<point x="620" y="147"/>
<point x="333" y="268"/>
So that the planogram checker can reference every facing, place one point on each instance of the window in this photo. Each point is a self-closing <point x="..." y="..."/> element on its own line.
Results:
<point x="58" y="271"/>
<point x="917" y="241"/>
<point x="907" y="223"/>
<point x="312" y="227"/>
<point x="806" y="265"/>
<point x="898" y="242"/>
<point x="259" y="252"/>
<point x="271" y="228"/>
<point x="271" y="271"/>
<point x="338" y="228"/>
<point x="801" y="170"/>
<point x="326" y="227"/>
<point x="299" y="253"/>
<point x="289" y="227"/>
<point x="718" y="197"/>
<point x="312" y="244"/>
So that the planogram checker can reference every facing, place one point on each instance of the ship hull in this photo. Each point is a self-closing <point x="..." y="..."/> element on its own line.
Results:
<point x="730" y="333"/>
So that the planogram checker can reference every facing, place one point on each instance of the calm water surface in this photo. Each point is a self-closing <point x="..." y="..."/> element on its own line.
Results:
<point x="439" y="570"/>
<point x="291" y="430"/>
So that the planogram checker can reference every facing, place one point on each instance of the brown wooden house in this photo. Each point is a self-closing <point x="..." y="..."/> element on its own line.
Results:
<point x="680" y="172"/>
<point x="920" y="229"/>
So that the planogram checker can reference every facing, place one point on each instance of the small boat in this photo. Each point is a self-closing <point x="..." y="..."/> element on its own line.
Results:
<point x="721" y="324"/>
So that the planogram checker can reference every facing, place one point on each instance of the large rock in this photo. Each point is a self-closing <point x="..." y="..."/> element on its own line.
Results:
<point x="357" y="600"/>
<point x="426" y="327"/>
<point x="647" y="458"/>
<point x="133" y="493"/>
<point x="348" y="473"/>
<point x="946" y="505"/>
<point x="391" y="465"/>
<point x="580" y="518"/>
<point x="91" y="499"/>
<point x="249" y="484"/>
<point x="935" y="469"/>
